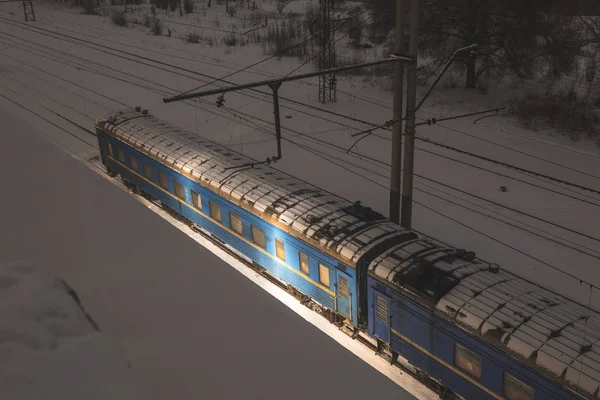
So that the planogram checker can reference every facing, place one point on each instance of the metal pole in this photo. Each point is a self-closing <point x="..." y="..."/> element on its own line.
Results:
<point x="397" y="116"/>
<point x="287" y="79"/>
<point x="275" y="88"/>
<point x="456" y="53"/>
<point x="411" y="101"/>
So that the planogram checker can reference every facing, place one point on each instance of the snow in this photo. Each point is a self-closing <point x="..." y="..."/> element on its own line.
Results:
<point x="49" y="349"/>
<point x="52" y="73"/>
<point x="191" y="326"/>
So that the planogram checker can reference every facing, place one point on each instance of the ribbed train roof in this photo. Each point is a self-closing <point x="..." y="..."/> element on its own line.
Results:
<point x="549" y="331"/>
<point x="339" y="227"/>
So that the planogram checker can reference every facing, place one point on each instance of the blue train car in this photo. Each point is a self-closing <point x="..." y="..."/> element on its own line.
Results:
<point x="300" y="234"/>
<point x="479" y="330"/>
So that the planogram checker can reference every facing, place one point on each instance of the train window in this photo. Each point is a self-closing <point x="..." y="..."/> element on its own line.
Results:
<point x="133" y="161"/>
<point x="148" y="171"/>
<point x="196" y="200"/>
<point x="110" y="150"/>
<point x="514" y="389"/>
<point x="215" y="211"/>
<point x="467" y="360"/>
<point x="381" y="311"/>
<point x="280" y="249"/>
<point x="324" y="275"/>
<point x="121" y="155"/>
<point x="304" y="266"/>
<point x="179" y="190"/>
<point x="236" y="223"/>
<point x="258" y="237"/>
<point x="162" y="180"/>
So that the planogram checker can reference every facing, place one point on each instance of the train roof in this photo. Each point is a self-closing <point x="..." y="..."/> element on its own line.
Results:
<point x="546" y="330"/>
<point x="338" y="227"/>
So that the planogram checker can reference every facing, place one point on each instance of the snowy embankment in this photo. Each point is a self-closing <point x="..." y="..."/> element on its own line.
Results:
<point x="50" y="348"/>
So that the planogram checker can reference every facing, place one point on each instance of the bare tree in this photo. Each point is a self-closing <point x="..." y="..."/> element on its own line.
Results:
<point x="281" y="5"/>
<point x="513" y="36"/>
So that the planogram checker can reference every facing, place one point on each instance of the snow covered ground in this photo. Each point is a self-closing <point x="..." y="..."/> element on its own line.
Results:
<point x="190" y="325"/>
<point x="49" y="348"/>
<point x="68" y="66"/>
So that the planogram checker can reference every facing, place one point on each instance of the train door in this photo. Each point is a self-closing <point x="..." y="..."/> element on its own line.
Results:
<point x="344" y="295"/>
<point x="381" y="316"/>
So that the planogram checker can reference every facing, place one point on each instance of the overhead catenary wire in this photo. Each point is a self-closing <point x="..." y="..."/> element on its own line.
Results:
<point x="325" y="157"/>
<point x="256" y="90"/>
<point x="341" y="149"/>
<point x="278" y="54"/>
<point x="523" y="170"/>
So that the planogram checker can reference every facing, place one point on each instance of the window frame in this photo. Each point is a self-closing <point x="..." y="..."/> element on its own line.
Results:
<point x="111" y="152"/>
<point x="177" y="185"/>
<point x="321" y="268"/>
<point x="163" y="177"/>
<point x="518" y="383"/>
<point x="254" y="228"/>
<point x="237" y="218"/>
<point x="121" y="155"/>
<point x="148" y="171"/>
<point x="300" y="254"/>
<point x="212" y="204"/>
<point x="460" y="349"/>
<point x="278" y="248"/>
<point x="134" y="163"/>
<point x="198" y="203"/>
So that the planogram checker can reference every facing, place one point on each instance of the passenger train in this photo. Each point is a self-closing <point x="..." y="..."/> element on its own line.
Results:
<point x="477" y="329"/>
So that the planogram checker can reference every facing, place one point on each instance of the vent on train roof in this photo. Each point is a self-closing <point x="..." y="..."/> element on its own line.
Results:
<point x="465" y="255"/>
<point x="427" y="279"/>
<point x="363" y="213"/>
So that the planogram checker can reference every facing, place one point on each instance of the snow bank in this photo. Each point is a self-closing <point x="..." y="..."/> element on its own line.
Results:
<point x="49" y="347"/>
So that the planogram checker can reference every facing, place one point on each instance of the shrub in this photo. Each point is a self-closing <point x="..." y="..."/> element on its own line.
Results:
<point x="563" y="111"/>
<point x="119" y="18"/>
<point x="286" y="35"/>
<point x="193" y="38"/>
<point x="89" y="9"/>
<point x="230" y="40"/>
<point x="156" y="27"/>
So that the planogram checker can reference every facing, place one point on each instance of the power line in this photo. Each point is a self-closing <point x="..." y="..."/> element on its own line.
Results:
<point x="341" y="149"/>
<point x="326" y="157"/>
<point x="48" y="121"/>
<point x="519" y="152"/>
<point x="278" y="54"/>
<point x="427" y="140"/>
<point x="520" y="169"/>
